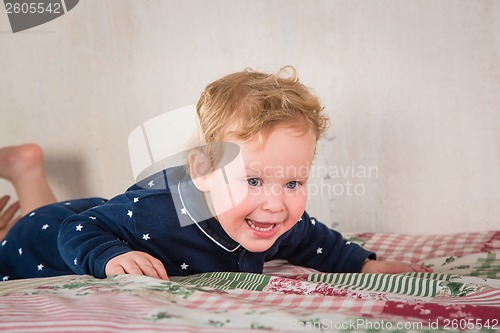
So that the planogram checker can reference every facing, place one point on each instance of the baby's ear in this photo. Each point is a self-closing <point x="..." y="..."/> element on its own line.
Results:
<point x="199" y="169"/>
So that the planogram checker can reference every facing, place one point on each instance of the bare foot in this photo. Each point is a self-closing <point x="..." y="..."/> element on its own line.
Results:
<point x="23" y="166"/>
<point x="19" y="162"/>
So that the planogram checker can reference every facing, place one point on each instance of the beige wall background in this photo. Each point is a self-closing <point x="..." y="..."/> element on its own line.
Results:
<point x="412" y="87"/>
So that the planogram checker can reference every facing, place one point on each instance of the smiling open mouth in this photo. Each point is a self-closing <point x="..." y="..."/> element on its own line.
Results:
<point x="253" y="225"/>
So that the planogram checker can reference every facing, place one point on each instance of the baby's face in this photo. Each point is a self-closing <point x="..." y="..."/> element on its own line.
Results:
<point x="268" y="189"/>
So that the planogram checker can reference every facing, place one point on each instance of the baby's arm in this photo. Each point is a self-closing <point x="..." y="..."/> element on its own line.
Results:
<point x="136" y="262"/>
<point x="87" y="244"/>
<point x="392" y="267"/>
<point x="101" y="241"/>
<point x="107" y="240"/>
<point x="331" y="253"/>
<point x="312" y="244"/>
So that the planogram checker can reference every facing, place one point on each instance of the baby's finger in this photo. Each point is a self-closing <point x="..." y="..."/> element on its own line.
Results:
<point x="115" y="270"/>
<point x="11" y="211"/>
<point x="152" y="267"/>
<point x="8" y="215"/>
<point x="3" y="201"/>
<point x="134" y="269"/>
<point x="417" y="268"/>
<point x="147" y="269"/>
<point x="160" y="269"/>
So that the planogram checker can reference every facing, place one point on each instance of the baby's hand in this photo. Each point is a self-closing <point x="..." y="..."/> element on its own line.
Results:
<point x="136" y="262"/>
<point x="392" y="267"/>
<point x="7" y="216"/>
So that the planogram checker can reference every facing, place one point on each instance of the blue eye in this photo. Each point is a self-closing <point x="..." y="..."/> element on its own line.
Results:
<point x="254" y="181"/>
<point x="292" y="185"/>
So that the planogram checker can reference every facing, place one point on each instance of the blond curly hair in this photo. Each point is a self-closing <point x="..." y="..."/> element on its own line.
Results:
<point x="248" y="103"/>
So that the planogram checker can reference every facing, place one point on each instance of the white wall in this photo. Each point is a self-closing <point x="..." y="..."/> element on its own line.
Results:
<point x="413" y="89"/>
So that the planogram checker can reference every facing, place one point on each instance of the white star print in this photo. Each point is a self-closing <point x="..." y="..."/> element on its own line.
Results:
<point x="67" y="203"/>
<point x="184" y="211"/>
<point x="5" y="278"/>
<point x="40" y="267"/>
<point x="319" y="250"/>
<point x="20" y="251"/>
<point x="184" y="266"/>
<point x="79" y="227"/>
<point x="146" y="237"/>
<point x="31" y="214"/>
<point x="92" y="217"/>
<point x="45" y="226"/>
<point x="129" y="213"/>
<point x="151" y="184"/>
<point x="136" y="199"/>
<point x="75" y="261"/>
<point x="347" y="243"/>
<point x="300" y="219"/>
<point x="4" y="242"/>
<point x="313" y="221"/>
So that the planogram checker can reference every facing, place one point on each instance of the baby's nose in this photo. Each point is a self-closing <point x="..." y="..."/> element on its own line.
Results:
<point x="273" y="198"/>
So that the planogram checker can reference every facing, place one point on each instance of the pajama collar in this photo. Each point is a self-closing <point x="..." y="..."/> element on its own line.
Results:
<point x="194" y="206"/>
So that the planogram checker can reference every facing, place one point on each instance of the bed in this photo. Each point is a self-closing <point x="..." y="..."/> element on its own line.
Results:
<point x="463" y="293"/>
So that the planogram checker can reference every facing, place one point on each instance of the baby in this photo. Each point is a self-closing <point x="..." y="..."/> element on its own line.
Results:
<point x="275" y="123"/>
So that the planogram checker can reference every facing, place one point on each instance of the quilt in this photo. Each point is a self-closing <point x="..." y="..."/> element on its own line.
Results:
<point x="462" y="294"/>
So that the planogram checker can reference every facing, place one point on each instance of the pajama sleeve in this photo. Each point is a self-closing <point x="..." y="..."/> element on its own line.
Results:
<point x="87" y="241"/>
<point x="312" y="244"/>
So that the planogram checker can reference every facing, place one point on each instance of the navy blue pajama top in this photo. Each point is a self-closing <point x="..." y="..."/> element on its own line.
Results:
<point x="81" y="236"/>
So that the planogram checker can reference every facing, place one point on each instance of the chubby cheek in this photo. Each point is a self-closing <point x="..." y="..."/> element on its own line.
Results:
<point x="232" y="199"/>
<point x="296" y="207"/>
<point x="234" y="216"/>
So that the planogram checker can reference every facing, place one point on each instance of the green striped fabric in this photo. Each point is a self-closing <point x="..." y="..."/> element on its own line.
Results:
<point x="225" y="280"/>
<point x="415" y="284"/>
<point x="486" y="265"/>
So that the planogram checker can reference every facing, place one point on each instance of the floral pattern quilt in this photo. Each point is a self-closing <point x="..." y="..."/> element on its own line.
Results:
<point x="462" y="294"/>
